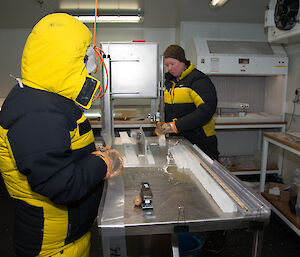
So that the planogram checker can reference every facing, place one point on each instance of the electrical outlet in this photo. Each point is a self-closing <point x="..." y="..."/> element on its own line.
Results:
<point x="297" y="96"/>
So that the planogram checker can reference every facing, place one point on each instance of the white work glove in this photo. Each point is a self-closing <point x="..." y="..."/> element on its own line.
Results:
<point x="113" y="160"/>
<point x="165" y="128"/>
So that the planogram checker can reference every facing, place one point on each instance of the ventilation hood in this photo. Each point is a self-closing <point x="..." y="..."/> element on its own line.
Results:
<point x="282" y="21"/>
<point x="224" y="57"/>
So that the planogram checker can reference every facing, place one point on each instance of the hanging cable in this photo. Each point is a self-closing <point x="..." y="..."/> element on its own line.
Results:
<point x="292" y="117"/>
<point x="99" y="59"/>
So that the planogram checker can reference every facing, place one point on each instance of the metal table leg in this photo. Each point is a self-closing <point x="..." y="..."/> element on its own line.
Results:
<point x="257" y="243"/>
<point x="263" y="165"/>
<point x="175" y="245"/>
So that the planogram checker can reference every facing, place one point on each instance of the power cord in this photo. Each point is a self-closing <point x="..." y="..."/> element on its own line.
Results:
<point x="296" y="100"/>
<point x="297" y="96"/>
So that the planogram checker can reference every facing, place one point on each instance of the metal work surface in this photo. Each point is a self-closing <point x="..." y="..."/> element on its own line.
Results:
<point x="177" y="200"/>
<point x="180" y="202"/>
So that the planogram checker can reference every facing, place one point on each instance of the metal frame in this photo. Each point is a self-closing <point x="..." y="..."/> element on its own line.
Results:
<point x="107" y="131"/>
<point x="290" y="224"/>
<point x="266" y="142"/>
<point x="118" y="217"/>
<point x="258" y="126"/>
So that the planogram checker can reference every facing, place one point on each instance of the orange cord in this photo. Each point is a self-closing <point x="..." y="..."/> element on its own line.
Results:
<point x="96" y="8"/>
<point x="99" y="59"/>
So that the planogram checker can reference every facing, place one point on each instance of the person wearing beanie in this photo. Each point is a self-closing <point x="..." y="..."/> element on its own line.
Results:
<point x="190" y="102"/>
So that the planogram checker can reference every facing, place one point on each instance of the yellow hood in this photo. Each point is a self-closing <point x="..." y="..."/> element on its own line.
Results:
<point x="53" y="58"/>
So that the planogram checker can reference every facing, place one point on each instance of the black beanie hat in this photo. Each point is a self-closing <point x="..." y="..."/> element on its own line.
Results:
<point x="176" y="52"/>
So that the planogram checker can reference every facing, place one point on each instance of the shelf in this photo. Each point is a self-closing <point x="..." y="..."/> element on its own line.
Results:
<point x="248" y="164"/>
<point x="283" y="210"/>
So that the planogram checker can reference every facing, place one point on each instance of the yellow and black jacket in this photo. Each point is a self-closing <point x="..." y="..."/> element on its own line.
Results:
<point x="46" y="141"/>
<point x="191" y="102"/>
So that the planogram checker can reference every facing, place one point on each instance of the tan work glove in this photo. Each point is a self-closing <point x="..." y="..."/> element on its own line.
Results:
<point x="113" y="160"/>
<point x="158" y="127"/>
<point x="166" y="128"/>
<point x="101" y="148"/>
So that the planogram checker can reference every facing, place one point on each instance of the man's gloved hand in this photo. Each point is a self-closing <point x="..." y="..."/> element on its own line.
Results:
<point x="160" y="123"/>
<point x="102" y="148"/>
<point x="117" y="162"/>
<point x="114" y="162"/>
<point x="166" y="128"/>
<point x="158" y="127"/>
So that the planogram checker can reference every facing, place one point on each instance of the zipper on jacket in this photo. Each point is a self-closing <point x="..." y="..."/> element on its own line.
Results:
<point x="172" y="93"/>
<point x="69" y="230"/>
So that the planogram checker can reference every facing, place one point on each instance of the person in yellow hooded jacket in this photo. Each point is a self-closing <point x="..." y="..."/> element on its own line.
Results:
<point x="49" y="161"/>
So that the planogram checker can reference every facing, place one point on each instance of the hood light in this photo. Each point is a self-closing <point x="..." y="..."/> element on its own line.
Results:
<point x="111" y="19"/>
<point x="216" y="3"/>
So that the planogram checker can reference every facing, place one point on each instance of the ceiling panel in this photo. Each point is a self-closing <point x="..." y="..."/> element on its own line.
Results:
<point x="157" y="13"/>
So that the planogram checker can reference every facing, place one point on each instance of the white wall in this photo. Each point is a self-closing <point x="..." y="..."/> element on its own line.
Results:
<point x="226" y="31"/>
<point x="163" y="36"/>
<point x="292" y="161"/>
<point x="11" y="47"/>
<point x="293" y="51"/>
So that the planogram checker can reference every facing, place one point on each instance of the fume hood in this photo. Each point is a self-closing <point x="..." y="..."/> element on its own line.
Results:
<point x="250" y="79"/>
<point x="282" y="21"/>
<point x="226" y="57"/>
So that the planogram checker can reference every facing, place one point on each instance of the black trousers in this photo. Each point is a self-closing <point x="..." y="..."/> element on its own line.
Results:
<point x="209" y="146"/>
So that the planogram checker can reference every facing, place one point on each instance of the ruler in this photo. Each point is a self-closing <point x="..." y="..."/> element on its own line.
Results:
<point x="222" y="184"/>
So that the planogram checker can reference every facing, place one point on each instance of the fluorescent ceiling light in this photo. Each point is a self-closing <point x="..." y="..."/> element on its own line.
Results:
<point x="218" y="2"/>
<point x="111" y="18"/>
